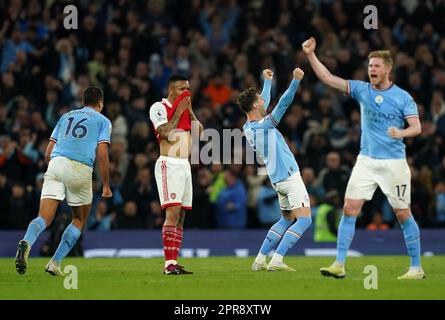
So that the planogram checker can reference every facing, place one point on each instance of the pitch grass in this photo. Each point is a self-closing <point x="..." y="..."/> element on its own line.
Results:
<point x="220" y="278"/>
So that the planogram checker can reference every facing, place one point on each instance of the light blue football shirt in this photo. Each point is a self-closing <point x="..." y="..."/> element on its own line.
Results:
<point x="380" y="110"/>
<point x="268" y="142"/>
<point x="78" y="133"/>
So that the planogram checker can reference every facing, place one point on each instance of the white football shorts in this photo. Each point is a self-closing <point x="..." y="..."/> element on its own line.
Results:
<point x="292" y="193"/>
<point x="393" y="176"/>
<point x="68" y="178"/>
<point x="174" y="181"/>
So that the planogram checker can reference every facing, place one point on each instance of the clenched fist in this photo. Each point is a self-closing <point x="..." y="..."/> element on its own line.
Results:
<point x="309" y="45"/>
<point x="267" y="74"/>
<point x="298" y="74"/>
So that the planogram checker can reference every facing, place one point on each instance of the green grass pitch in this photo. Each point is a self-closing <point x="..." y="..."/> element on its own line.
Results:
<point x="220" y="278"/>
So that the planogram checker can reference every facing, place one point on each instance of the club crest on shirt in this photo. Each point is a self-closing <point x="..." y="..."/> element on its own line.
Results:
<point x="173" y="195"/>
<point x="378" y="99"/>
<point x="160" y="114"/>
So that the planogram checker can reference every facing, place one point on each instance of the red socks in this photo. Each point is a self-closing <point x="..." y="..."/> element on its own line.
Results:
<point x="172" y="240"/>
<point x="168" y="239"/>
<point x="178" y="241"/>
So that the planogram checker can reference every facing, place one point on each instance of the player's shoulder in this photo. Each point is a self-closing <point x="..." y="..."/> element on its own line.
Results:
<point x="105" y="120"/>
<point x="401" y="92"/>
<point x="359" y="83"/>
<point x="157" y="105"/>
<point x="356" y="86"/>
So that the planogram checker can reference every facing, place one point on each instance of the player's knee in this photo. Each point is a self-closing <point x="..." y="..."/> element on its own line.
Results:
<point x="350" y="209"/>
<point x="287" y="215"/>
<point x="402" y="214"/>
<point x="172" y="215"/>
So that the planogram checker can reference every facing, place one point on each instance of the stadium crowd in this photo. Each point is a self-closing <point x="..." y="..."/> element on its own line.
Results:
<point x="130" y="48"/>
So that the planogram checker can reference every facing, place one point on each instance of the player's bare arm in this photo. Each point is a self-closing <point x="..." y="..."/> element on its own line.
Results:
<point x="414" y="129"/>
<point x="320" y="70"/>
<point x="165" y="129"/>
<point x="49" y="149"/>
<point x="104" y="164"/>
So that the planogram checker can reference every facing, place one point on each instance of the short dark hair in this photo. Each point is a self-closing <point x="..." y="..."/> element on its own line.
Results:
<point x="175" y="78"/>
<point x="247" y="98"/>
<point x="92" y="96"/>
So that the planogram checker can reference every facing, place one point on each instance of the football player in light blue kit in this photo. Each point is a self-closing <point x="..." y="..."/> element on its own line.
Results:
<point x="262" y="135"/>
<point x="78" y="138"/>
<point x="382" y="160"/>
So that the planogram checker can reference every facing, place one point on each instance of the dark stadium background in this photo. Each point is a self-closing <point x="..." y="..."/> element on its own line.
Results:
<point x="130" y="48"/>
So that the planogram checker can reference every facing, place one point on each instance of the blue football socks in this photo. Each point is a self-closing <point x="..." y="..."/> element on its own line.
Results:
<point x="69" y="239"/>
<point x="274" y="235"/>
<point x="35" y="228"/>
<point x="412" y="240"/>
<point x="293" y="234"/>
<point x="346" y="231"/>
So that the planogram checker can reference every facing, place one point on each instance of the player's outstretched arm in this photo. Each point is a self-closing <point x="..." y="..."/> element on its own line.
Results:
<point x="104" y="165"/>
<point x="267" y="85"/>
<point x="165" y="129"/>
<point x="288" y="96"/>
<point x="320" y="70"/>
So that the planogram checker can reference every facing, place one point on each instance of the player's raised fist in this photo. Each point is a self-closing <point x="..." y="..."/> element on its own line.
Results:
<point x="309" y="45"/>
<point x="298" y="74"/>
<point x="268" y="74"/>
<point x="106" y="192"/>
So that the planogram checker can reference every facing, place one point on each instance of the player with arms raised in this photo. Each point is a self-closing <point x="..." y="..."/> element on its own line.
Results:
<point x="78" y="138"/>
<point x="262" y="135"/>
<point x="382" y="160"/>
<point x="172" y="120"/>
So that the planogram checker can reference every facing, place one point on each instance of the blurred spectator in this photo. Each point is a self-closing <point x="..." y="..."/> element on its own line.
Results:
<point x="101" y="220"/>
<point x="327" y="218"/>
<point x="201" y="214"/>
<point x="254" y="181"/>
<point x="156" y="218"/>
<point x="131" y="48"/>
<point x="439" y="216"/>
<point x="377" y="222"/>
<point x="316" y="191"/>
<point x="118" y="121"/>
<point x="334" y="176"/>
<point x="269" y="210"/>
<point x="231" y="207"/>
<point x="119" y="155"/>
<point x="128" y="218"/>
<point x="20" y="203"/>
<point x="218" y="92"/>
<point x="4" y="200"/>
<point x="218" y="183"/>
